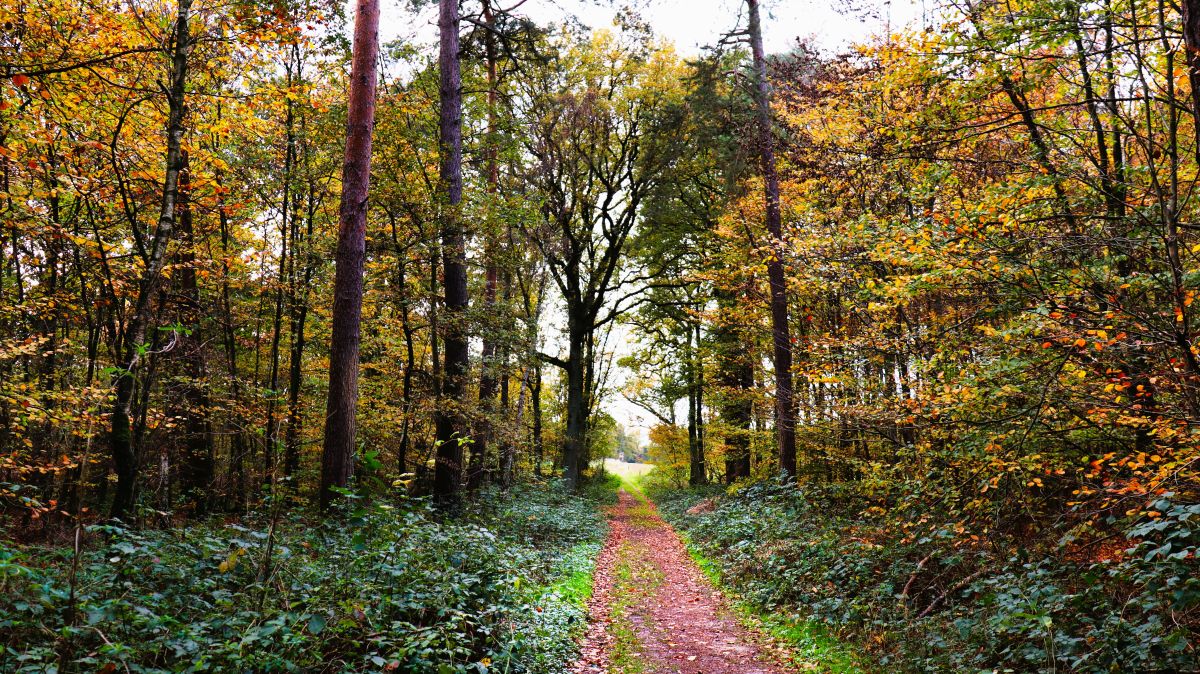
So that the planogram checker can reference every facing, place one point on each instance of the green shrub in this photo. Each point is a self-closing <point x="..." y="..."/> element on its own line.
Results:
<point x="921" y="598"/>
<point x="390" y="588"/>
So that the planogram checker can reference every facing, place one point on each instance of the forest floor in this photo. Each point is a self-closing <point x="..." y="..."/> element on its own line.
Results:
<point x="654" y="612"/>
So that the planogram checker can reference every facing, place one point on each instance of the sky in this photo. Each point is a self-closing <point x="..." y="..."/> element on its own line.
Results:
<point x="690" y="25"/>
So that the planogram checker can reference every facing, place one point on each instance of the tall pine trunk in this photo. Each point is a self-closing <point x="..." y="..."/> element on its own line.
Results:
<point x="451" y="424"/>
<point x="337" y="461"/>
<point x="488" y="378"/>
<point x="780" y="331"/>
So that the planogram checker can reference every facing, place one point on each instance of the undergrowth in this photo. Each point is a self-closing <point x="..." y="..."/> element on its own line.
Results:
<point x="914" y="595"/>
<point x="388" y="587"/>
<point x="809" y="644"/>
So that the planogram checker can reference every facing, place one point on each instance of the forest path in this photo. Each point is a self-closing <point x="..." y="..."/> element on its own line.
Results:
<point x="652" y="610"/>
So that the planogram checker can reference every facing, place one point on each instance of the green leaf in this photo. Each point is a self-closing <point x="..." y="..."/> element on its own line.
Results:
<point x="316" y="624"/>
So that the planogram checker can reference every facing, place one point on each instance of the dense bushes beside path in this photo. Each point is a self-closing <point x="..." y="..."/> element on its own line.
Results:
<point x="500" y="587"/>
<point x="917" y="595"/>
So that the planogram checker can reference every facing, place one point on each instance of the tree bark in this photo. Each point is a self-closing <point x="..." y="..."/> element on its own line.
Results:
<point x="450" y="422"/>
<point x="780" y="330"/>
<point x="121" y="437"/>
<point x="1190" y="9"/>
<point x="535" y="403"/>
<point x="488" y="380"/>
<point x="283" y="289"/>
<point x="234" y="426"/>
<point x="698" y="469"/>
<point x="576" y="431"/>
<point x="695" y="454"/>
<point x="337" y="461"/>
<point x="406" y="391"/>
<point x="297" y="317"/>
<point x="196" y="465"/>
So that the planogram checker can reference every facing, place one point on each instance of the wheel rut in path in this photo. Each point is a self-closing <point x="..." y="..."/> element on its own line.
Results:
<point x="652" y="610"/>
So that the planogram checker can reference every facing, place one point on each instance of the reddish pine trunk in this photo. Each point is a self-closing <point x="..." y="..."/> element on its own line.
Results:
<point x="337" y="462"/>
<point x="780" y="332"/>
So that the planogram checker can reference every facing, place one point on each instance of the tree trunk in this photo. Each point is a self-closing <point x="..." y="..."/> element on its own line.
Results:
<point x="121" y="437"/>
<point x="337" y="461"/>
<point x="780" y="330"/>
<point x="409" y="352"/>
<point x="507" y="450"/>
<point x="576" y="431"/>
<point x="1190" y="10"/>
<point x="299" y="277"/>
<point x="271" y="434"/>
<point x="535" y="402"/>
<point x="236" y="478"/>
<point x="451" y="424"/>
<point x="698" y="474"/>
<point x="488" y="381"/>
<point x="695" y="457"/>
<point x="196" y="465"/>
<point x="300" y="283"/>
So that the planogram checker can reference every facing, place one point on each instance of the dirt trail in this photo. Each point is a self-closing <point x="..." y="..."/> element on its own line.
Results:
<point x="654" y="612"/>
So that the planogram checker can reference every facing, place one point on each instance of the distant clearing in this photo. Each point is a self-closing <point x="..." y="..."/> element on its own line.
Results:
<point x="627" y="470"/>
